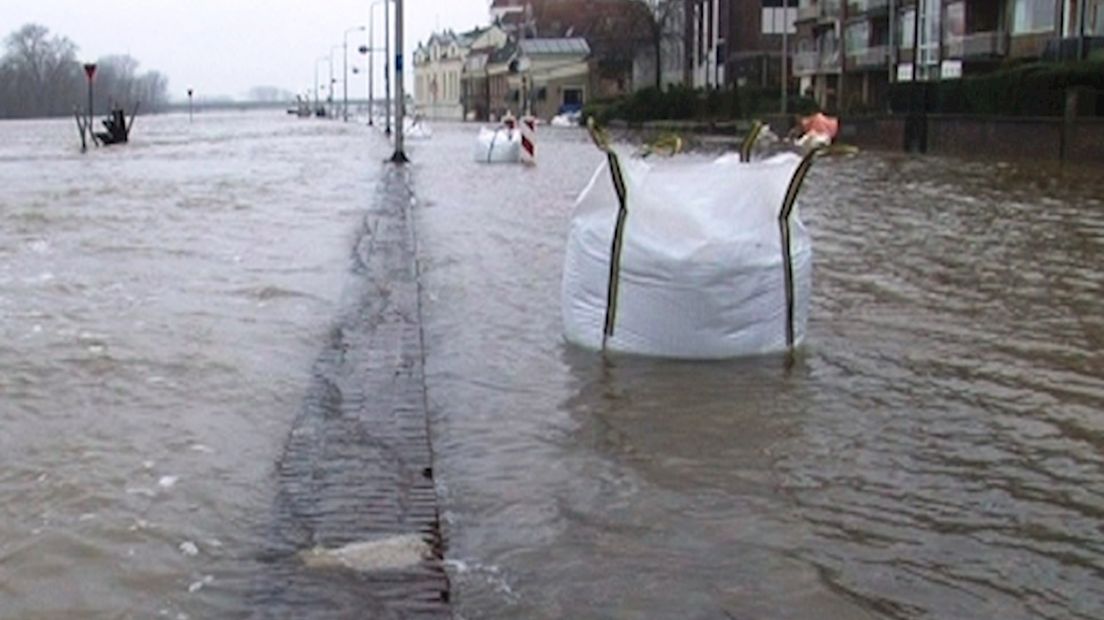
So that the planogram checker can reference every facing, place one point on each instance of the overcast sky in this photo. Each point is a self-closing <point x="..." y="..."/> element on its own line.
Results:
<point x="225" y="47"/>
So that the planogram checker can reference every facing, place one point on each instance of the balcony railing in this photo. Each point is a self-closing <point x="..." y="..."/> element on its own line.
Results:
<point x="807" y="12"/>
<point x="805" y="63"/>
<point x="984" y="44"/>
<point x="859" y="7"/>
<point x="829" y="9"/>
<point x="829" y="61"/>
<point x="867" y="57"/>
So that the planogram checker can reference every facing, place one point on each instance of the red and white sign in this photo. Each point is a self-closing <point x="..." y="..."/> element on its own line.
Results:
<point x="529" y="140"/>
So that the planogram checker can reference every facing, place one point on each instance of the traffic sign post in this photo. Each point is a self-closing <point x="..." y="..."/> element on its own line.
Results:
<point x="90" y="72"/>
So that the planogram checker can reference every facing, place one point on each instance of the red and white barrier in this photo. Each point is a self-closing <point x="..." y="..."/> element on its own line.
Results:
<point x="529" y="140"/>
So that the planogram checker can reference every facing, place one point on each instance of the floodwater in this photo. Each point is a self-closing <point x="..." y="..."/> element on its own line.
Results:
<point x="161" y="306"/>
<point x="936" y="450"/>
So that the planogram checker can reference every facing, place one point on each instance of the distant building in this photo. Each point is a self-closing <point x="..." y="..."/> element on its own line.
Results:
<point x="551" y="74"/>
<point x="847" y="53"/>
<point x="439" y="65"/>
<point x="556" y="74"/>
<point x="610" y="27"/>
<point x="715" y="43"/>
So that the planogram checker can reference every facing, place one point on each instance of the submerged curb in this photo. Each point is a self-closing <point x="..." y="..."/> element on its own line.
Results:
<point x="357" y="469"/>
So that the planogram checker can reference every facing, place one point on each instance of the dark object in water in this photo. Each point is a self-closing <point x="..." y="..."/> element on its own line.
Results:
<point x="118" y="129"/>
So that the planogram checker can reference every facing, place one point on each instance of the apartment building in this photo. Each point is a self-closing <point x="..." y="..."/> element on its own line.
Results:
<point x="849" y="51"/>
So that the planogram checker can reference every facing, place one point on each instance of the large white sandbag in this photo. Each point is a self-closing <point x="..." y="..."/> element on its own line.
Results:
<point x="416" y="129"/>
<point x="702" y="273"/>
<point x="498" y="146"/>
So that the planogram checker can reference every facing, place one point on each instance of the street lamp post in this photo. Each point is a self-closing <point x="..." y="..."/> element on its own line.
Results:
<point x="785" y="52"/>
<point x="316" y="86"/>
<point x="330" y="94"/>
<point x="387" y="65"/>
<point x="371" y="62"/>
<point x="400" y="96"/>
<point x="345" y="84"/>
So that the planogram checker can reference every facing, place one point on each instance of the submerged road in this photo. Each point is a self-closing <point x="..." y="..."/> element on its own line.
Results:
<point x="243" y="374"/>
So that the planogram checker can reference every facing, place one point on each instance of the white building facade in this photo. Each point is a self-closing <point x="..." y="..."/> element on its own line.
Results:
<point x="439" y="68"/>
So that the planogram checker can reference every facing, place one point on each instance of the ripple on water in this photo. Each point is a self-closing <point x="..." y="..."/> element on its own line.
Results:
<point x="934" y="452"/>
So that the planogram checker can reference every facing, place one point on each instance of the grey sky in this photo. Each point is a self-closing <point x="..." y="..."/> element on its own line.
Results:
<point x="225" y="47"/>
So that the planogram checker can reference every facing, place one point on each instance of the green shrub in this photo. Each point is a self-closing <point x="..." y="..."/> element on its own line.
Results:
<point x="1036" y="89"/>
<point x="679" y="103"/>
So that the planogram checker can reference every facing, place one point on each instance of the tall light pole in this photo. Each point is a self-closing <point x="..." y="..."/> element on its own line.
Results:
<point x="785" y="51"/>
<point x="316" y="63"/>
<point x="371" y="62"/>
<point x="345" y="84"/>
<point x="400" y="97"/>
<point x="387" y="64"/>
<point x="330" y="95"/>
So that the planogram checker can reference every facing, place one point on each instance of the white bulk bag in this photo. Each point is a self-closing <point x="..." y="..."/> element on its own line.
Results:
<point x="498" y="146"/>
<point x="416" y="130"/>
<point x="701" y="273"/>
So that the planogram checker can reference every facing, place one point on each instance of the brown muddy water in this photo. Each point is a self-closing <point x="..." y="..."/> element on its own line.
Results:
<point x="937" y="450"/>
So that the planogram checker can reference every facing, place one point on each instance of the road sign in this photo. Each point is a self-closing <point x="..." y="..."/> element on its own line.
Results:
<point x="90" y="69"/>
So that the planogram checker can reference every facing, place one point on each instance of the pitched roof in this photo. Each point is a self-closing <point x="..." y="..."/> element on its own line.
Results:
<point x="504" y="53"/>
<point x="570" y="46"/>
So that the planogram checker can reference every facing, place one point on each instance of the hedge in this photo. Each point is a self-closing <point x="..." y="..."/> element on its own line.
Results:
<point x="679" y="103"/>
<point x="1037" y="89"/>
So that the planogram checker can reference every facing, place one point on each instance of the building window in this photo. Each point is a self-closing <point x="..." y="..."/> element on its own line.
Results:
<point x="858" y="37"/>
<point x="954" y="22"/>
<point x="775" y="17"/>
<point x="1030" y="16"/>
<point x="930" y="28"/>
<point x="572" y="97"/>
<point x="906" y="29"/>
<point x="828" y="49"/>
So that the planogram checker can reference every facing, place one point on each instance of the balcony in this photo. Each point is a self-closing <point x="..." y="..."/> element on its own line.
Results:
<point x="805" y="63"/>
<point x="1028" y="45"/>
<point x="829" y="61"/>
<point x="861" y="7"/>
<point x="874" y="57"/>
<point x="808" y="12"/>
<point x="829" y="10"/>
<point x="1073" y="48"/>
<point x="984" y="45"/>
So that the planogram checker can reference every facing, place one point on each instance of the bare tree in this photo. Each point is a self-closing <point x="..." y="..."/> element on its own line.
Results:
<point x="39" y="72"/>
<point x="268" y="94"/>
<point x="613" y="28"/>
<point x="119" y="83"/>
<point x="40" y="76"/>
<point x="659" y="19"/>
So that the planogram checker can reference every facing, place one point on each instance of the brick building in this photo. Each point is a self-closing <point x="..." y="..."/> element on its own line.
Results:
<point x="848" y="52"/>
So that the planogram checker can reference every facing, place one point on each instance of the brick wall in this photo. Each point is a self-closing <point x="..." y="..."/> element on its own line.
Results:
<point x="999" y="138"/>
<point x="1005" y="138"/>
